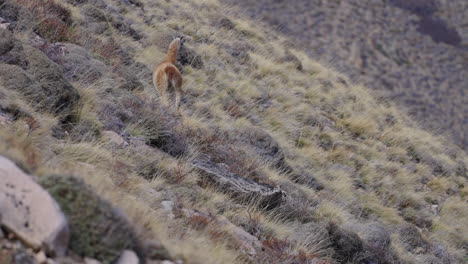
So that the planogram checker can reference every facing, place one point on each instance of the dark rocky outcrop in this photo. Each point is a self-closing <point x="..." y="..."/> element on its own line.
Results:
<point x="239" y="187"/>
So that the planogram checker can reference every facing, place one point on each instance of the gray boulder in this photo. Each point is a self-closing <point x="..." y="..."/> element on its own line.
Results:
<point x="30" y="212"/>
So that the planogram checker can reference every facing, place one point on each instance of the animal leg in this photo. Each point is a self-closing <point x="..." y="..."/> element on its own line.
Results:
<point x="161" y="85"/>
<point x="177" y="84"/>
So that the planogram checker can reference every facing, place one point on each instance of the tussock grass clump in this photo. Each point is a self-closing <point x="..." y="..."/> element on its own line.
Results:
<point x="15" y="78"/>
<point x="39" y="79"/>
<point x="53" y="30"/>
<point x="97" y="229"/>
<point x="47" y="8"/>
<point x="50" y="20"/>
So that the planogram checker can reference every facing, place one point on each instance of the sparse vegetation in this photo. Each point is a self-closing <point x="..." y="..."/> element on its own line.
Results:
<point x="356" y="176"/>
<point x="98" y="230"/>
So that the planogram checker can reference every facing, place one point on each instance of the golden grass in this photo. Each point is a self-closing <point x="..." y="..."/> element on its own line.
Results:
<point x="358" y="133"/>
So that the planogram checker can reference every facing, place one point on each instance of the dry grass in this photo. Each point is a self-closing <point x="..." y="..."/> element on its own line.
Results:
<point x="372" y="161"/>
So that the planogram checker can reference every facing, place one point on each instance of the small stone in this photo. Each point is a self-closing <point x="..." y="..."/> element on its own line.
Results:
<point x="41" y="257"/>
<point x="128" y="257"/>
<point x="91" y="261"/>
<point x="4" y="25"/>
<point x="114" y="138"/>
<point x="167" y="205"/>
<point x="8" y="245"/>
<point x="419" y="250"/>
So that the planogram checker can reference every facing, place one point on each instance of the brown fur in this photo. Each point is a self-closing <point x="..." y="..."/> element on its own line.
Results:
<point x="166" y="74"/>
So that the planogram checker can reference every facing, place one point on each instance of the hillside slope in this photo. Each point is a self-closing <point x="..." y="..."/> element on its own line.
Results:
<point x="275" y="158"/>
<point x="414" y="52"/>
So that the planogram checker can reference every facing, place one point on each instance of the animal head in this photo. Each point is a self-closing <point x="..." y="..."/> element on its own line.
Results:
<point x="177" y="43"/>
<point x="174" y="47"/>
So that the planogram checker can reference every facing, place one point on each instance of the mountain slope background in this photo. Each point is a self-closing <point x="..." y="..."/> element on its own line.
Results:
<point x="275" y="157"/>
<point x="413" y="52"/>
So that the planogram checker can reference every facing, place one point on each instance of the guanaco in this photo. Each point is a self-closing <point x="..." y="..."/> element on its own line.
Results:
<point x="166" y="74"/>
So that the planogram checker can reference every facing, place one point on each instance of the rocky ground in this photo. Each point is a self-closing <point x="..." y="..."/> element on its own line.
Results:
<point x="274" y="157"/>
<point x="413" y="52"/>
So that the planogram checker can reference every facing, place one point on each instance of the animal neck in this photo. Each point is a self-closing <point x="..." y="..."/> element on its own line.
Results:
<point x="171" y="53"/>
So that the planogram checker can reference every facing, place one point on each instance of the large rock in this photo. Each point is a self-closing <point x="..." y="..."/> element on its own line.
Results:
<point x="240" y="187"/>
<point x="30" y="212"/>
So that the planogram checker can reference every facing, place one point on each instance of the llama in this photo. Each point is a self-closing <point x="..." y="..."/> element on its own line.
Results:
<point x="166" y="74"/>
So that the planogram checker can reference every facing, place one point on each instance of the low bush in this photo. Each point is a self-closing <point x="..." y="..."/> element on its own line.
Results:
<point x="97" y="229"/>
